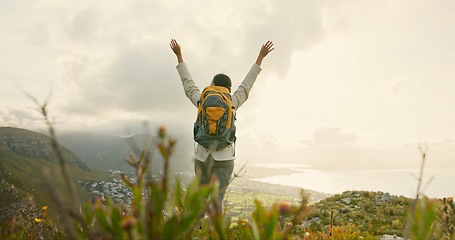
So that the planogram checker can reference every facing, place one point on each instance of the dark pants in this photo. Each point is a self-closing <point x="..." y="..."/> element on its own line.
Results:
<point x="222" y="170"/>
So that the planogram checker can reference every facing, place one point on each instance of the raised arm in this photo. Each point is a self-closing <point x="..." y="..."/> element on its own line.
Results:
<point x="241" y="94"/>
<point x="177" y="50"/>
<point x="190" y="88"/>
<point x="265" y="49"/>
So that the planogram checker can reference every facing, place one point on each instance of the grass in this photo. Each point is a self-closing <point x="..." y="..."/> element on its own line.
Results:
<point x="239" y="203"/>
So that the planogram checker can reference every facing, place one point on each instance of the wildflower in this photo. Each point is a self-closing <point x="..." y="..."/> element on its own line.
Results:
<point x="284" y="209"/>
<point x="287" y="226"/>
<point x="37" y="220"/>
<point x="172" y="142"/>
<point x="44" y="208"/>
<point x="307" y="235"/>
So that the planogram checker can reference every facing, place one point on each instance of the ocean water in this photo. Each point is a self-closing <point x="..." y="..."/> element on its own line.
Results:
<point x="436" y="183"/>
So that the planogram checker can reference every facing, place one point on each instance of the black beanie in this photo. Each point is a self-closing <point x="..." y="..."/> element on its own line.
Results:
<point x="222" y="80"/>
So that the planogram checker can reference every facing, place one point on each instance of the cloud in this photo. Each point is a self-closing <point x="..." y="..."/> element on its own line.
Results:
<point x="21" y="116"/>
<point x="331" y="136"/>
<point x="145" y="78"/>
<point x="116" y="59"/>
<point x="334" y="150"/>
<point x="293" y="25"/>
<point x="446" y="143"/>
<point x="85" y="24"/>
<point x="136" y="79"/>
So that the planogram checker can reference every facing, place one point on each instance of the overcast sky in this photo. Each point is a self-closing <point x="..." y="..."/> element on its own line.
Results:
<point x="350" y="83"/>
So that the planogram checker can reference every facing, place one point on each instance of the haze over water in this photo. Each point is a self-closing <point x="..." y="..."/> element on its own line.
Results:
<point x="436" y="182"/>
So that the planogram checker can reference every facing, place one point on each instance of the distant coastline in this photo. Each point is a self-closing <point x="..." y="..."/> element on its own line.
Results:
<point x="437" y="183"/>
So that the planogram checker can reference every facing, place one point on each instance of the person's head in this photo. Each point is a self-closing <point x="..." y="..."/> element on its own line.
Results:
<point x="222" y="80"/>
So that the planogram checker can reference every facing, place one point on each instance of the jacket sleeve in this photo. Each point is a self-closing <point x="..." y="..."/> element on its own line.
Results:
<point x="190" y="88"/>
<point x="241" y="94"/>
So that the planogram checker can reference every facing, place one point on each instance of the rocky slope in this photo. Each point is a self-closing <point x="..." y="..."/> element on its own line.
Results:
<point x="28" y="144"/>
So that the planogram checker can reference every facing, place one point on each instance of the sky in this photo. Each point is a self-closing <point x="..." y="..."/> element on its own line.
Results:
<point x="350" y="84"/>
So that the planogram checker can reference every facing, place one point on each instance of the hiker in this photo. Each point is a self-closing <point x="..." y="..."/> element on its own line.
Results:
<point x="216" y="158"/>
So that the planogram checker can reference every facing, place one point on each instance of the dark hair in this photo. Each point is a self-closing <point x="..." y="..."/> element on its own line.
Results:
<point x="222" y="80"/>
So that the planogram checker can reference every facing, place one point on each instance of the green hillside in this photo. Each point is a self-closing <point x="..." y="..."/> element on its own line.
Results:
<point x="25" y="156"/>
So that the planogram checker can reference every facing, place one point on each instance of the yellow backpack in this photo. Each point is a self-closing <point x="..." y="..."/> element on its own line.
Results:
<point x="214" y="128"/>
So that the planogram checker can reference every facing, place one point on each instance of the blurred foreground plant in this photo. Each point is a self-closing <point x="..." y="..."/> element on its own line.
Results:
<point x="430" y="218"/>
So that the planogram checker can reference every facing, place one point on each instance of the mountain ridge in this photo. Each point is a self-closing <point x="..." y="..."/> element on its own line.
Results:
<point x="24" y="157"/>
<point x="109" y="152"/>
<point x="29" y="144"/>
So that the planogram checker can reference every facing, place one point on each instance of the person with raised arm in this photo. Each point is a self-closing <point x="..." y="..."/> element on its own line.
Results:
<point x="214" y="131"/>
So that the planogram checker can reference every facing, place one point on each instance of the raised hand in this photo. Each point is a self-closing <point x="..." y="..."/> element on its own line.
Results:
<point x="177" y="50"/>
<point x="265" y="49"/>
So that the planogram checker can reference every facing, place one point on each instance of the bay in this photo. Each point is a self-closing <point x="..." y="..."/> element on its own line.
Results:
<point x="437" y="183"/>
